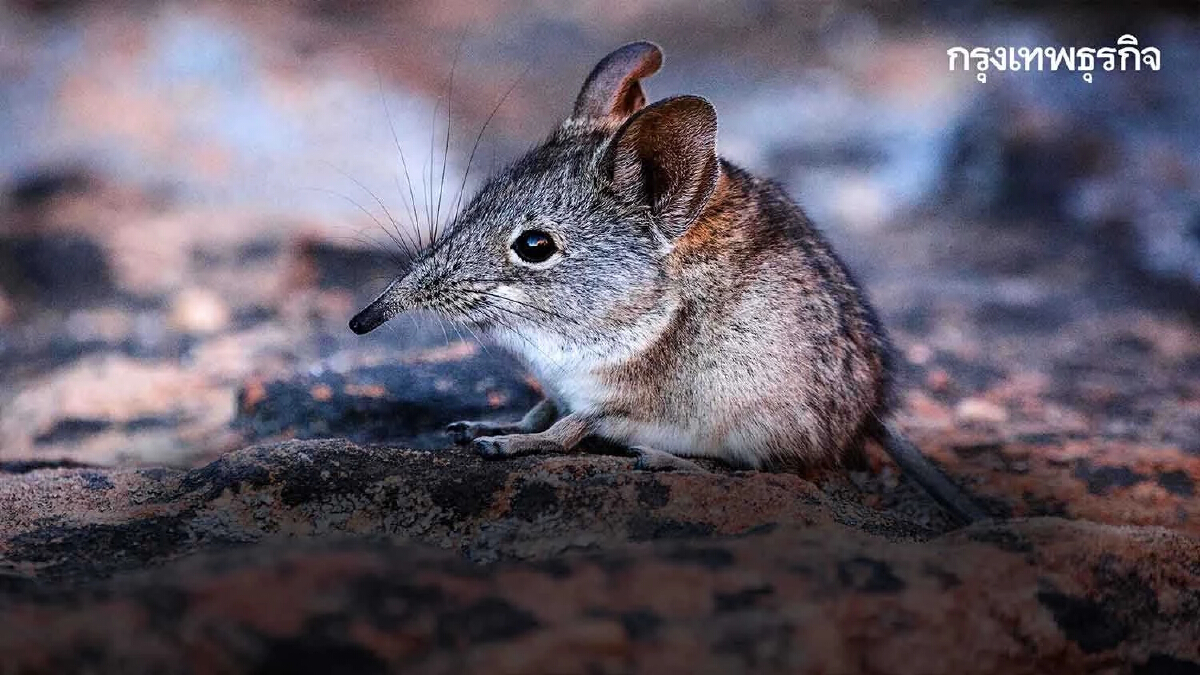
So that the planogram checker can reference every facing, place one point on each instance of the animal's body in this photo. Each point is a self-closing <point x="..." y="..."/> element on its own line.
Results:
<point x="664" y="298"/>
<point x="782" y="359"/>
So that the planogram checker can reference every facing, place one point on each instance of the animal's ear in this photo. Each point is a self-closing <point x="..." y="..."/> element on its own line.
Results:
<point x="612" y="89"/>
<point x="665" y="157"/>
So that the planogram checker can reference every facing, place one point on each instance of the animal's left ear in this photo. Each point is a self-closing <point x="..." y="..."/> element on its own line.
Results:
<point x="613" y="89"/>
<point x="665" y="157"/>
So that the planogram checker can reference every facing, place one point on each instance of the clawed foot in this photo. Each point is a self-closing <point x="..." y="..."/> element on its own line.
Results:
<point x="649" y="459"/>
<point x="513" y="445"/>
<point x="465" y="432"/>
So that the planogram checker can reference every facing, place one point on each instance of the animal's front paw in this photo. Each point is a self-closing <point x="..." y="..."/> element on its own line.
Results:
<point x="493" y="448"/>
<point x="650" y="459"/>
<point x="464" y="432"/>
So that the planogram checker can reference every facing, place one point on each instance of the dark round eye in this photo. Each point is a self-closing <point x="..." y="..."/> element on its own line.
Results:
<point x="534" y="246"/>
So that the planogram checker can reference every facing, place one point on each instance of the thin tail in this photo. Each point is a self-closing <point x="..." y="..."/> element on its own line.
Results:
<point x="918" y="467"/>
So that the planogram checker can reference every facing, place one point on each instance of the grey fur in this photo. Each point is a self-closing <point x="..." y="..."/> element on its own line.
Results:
<point x="692" y="309"/>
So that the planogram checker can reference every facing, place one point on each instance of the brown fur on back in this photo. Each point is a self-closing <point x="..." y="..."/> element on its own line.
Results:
<point x="758" y="282"/>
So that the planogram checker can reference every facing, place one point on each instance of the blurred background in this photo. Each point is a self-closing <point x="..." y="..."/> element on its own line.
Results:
<point x="194" y="196"/>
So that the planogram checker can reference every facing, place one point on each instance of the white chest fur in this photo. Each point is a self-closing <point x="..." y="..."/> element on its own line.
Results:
<point x="572" y="369"/>
<point x="573" y="376"/>
<point x="570" y="372"/>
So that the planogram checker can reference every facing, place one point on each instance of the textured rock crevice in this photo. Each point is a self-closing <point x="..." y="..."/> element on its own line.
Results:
<point x="789" y="599"/>
<point x="84" y="523"/>
<point x="345" y="558"/>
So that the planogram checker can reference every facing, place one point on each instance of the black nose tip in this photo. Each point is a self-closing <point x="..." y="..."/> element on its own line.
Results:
<point x="375" y="314"/>
<point x="364" y="322"/>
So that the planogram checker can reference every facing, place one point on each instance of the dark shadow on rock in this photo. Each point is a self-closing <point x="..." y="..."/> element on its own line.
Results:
<point x="58" y="270"/>
<point x="411" y="402"/>
<point x="36" y="189"/>
<point x="794" y="599"/>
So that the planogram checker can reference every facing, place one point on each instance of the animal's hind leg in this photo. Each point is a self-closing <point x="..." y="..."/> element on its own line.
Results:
<point x="538" y="419"/>
<point x="562" y="436"/>
<point x="650" y="459"/>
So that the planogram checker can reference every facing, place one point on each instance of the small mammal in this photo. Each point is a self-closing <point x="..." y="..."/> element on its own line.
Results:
<point x="666" y="299"/>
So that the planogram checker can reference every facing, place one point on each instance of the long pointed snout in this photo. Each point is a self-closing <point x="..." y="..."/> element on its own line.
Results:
<point x="390" y="302"/>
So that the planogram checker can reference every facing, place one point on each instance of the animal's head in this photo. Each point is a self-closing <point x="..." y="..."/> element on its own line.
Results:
<point x="571" y="240"/>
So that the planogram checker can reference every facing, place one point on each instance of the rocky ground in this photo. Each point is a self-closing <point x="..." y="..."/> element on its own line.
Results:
<point x="200" y="464"/>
